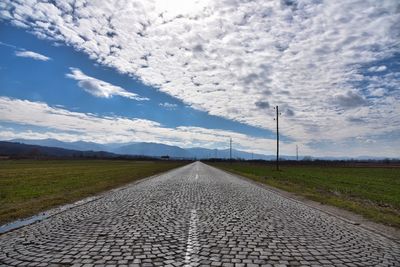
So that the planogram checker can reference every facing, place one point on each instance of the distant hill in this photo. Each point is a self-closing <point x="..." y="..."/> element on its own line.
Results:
<point x="158" y="150"/>
<point x="146" y="149"/>
<point x="19" y="150"/>
<point x="152" y="149"/>
<point x="224" y="153"/>
<point x="79" y="145"/>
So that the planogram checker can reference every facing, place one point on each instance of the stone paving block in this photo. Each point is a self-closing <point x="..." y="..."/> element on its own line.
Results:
<point x="176" y="219"/>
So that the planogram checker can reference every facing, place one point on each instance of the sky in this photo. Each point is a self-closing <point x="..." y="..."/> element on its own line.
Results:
<point x="195" y="73"/>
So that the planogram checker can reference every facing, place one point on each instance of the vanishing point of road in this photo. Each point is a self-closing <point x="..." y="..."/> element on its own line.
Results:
<point x="195" y="216"/>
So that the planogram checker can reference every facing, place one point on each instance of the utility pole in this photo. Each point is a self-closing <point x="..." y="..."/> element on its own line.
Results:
<point x="297" y="152"/>
<point x="277" y="137"/>
<point x="230" y="149"/>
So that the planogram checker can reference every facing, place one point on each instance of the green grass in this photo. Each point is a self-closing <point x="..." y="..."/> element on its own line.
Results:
<point x="373" y="192"/>
<point x="30" y="186"/>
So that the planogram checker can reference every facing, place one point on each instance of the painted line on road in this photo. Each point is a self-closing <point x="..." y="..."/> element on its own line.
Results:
<point x="192" y="244"/>
<point x="197" y="176"/>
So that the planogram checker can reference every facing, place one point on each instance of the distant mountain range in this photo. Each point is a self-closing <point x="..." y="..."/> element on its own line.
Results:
<point x="145" y="149"/>
<point x="19" y="150"/>
<point x="158" y="150"/>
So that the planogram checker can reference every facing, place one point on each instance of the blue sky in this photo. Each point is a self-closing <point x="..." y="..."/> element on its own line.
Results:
<point x="195" y="74"/>
<point x="46" y="81"/>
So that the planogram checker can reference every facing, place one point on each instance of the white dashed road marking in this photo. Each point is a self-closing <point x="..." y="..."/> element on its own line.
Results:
<point x="192" y="245"/>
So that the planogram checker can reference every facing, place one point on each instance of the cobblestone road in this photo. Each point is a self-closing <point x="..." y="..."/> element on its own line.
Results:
<point x="195" y="215"/>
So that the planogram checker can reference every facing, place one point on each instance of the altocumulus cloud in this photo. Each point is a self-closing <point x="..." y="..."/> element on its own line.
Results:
<point x="31" y="54"/>
<point x="100" y="88"/>
<point x="72" y="126"/>
<point x="349" y="100"/>
<point x="377" y="68"/>
<point x="168" y="105"/>
<point x="66" y="125"/>
<point x="222" y="56"/>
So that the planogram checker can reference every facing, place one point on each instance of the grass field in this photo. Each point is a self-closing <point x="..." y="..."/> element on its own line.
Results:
<point x="373" y="192"/>
<point x="30" y="186"/>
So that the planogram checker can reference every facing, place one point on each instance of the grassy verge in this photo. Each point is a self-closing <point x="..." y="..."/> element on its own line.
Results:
<point x="30" y="186"/>
<point x="373" y="192"/>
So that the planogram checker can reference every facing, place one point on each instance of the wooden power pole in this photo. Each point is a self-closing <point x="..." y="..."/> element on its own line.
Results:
<point x="277" y="138"/>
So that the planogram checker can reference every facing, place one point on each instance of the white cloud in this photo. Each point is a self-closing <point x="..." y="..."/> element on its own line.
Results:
<point x="378" y="92"/>
<point x="168" y="105"/>
<point x="377" y="68"/>
<point x="228" y="57"/>
<point x="100" y="88"/>
<point x="62" y="124"/>
<point x="349" y="100"/>
<point x="33" y="55"/>
<point x="8" y="45"/>
<point x="66" y="125"/>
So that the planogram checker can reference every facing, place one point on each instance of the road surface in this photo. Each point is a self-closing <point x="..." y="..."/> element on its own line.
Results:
<point x="192" y="216"/>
